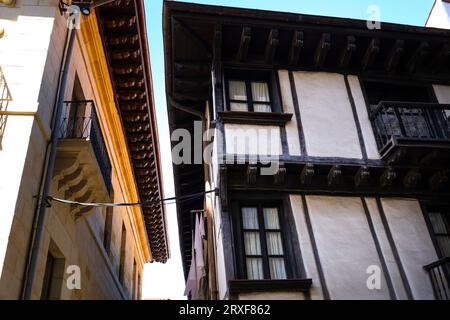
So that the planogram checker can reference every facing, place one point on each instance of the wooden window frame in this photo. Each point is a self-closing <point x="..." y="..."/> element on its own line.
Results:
<point x="240" y="245"/>
<point x="426" y="211"/>
<point x="253" y="76"/>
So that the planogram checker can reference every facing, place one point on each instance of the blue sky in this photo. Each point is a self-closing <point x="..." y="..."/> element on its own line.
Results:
<point x="166" y="281"/>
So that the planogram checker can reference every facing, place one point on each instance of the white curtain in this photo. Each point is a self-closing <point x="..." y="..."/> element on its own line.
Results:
<point x="271" y="218"/>
<point x="277" y="268"/>
<point x="238" y="92"/>
<point x="252" y="244"/>
<point x="254" y="269"/>
<point x="274" y="244"/>
<point x="250" y="218"/>
<point x="260" y="92"/>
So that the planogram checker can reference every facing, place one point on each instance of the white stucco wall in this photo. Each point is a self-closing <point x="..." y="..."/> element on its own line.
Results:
<point x="288" y="107"/>
<point x="327" y="118"/>
<point x="345" y="246"/>
<point x="413" y="242"/>
<point x="439" y="16"/>
<point x="306" y="248"/>
<point x="391" y="264"/>
<point x="363" y="117"/>
<point x="252" y="140"/>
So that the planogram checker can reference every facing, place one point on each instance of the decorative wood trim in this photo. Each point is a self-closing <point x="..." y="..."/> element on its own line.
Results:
<point x="394" y="249"/>
<point x="297" y="114"/>
<point x="379" y="251"/>
<point x="248" y="286"/>
<point x="296" y="47"/>
<point x="244" y="44"/>
<point x="356" y="118"/>
<point x="347" y="51"/>
<point x="323" y="284"/>
<point x="256" y="118"/>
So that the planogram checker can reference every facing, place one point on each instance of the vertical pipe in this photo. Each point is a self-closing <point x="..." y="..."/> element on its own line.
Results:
<point x="31" y="272"/>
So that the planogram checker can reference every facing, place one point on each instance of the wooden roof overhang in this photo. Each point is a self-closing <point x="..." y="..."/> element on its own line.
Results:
<point x="123" y="31"/>
<point x="201" y="38"/>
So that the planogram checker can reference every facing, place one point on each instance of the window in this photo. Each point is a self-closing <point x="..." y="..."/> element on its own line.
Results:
<point x="108" y="226"/>
<point x="249" y="96"/>
<point x="123" y="242"/>
<point x="53" y="274"/>
<point x="440" y="223"/>
<point x="262" y="242"/>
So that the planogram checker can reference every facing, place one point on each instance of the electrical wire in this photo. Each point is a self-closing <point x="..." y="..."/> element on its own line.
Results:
<point x="133" y="204"/>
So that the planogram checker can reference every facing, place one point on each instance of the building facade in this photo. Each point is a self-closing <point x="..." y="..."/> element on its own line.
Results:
<point x="356" y="122"/>
<point x="107" y="152"/>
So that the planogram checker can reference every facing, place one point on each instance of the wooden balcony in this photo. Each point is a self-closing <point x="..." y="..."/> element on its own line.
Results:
<point x="412" y="133"/>
<point x="83" y="167"/>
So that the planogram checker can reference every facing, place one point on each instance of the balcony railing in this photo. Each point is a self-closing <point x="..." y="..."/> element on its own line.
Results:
<point x="410" y="121"/>
<point x="5" y="98"/>
<point x="80" y="122"/>
<point x="439" y="275"/>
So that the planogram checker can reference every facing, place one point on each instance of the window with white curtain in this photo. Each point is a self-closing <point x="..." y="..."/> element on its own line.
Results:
<point x="245" y="95"/>
<point x="440" y="221"/>
<point x="263" y="243"/>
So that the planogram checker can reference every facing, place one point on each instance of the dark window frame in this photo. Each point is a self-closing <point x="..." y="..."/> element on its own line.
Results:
<point x="428" y="208"/>
<point x="289" y="260"/>
<point x="253" y="76"/>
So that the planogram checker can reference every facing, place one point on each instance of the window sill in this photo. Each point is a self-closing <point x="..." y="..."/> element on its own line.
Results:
<point x="258" y="118"/>
<point x="243" y="286"/>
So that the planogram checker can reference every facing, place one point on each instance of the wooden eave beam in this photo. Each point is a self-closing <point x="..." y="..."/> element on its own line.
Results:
<point x="271" y="46"/>
<point x="323" y="47"/>
<point x="296" y="48"/>
<point x="394" y="56"/>
<point x="244" y="45"/>
<point x="347" y="52"/>
<point x="371" y="52"/>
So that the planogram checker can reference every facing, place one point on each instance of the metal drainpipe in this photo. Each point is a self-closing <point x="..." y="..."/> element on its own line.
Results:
<point x="38" y="231"/>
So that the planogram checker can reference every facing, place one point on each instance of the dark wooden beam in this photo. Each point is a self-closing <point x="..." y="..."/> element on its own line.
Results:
<point x="323" y="47"/>
<point x="279" y="177"/>
<point x="412" y="179"/>
<point x="418" y="55"/>
<point x="362" y="177"/>
<point x="189" y="84"/>
<point x="397" y="156"/>
<point x="203" y="67"/>
<point x="217" y="55"/>
<point x="371" y="52"/>
<point x="252" y="171"/>
<point x="394" y="56"/>
<point x="335" y="176"/>
<point x="307" y="174"/>
<point x="271" y="46"/>
<point x="388" y="177"/>
<point x="223" y="193"/>
<point x="438" y="180"/>
<point x="347" y="51"/>
<point x="244" y="44"/>
<point x="195" y="37"/>
<point x="439" y="59"/>
<point x="296" y="48"/>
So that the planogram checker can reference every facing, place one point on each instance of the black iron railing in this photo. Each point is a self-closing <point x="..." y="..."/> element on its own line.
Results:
<point x="5" y="98"/>
<point x="411" y="121"/>
<point x="80" y="122"/>
<point x="439" y="272"/>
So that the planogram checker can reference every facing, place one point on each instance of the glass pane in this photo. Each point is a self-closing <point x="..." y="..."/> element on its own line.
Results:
<point x="236" y="106"/>
<point x="237" y="90"/>
<point x="277" y="268"/>
<point x="274" y="244"/>
<point x="271" y="218"/>
<point x="262" y="108"/>
<point x="252" y="243"/>
<point x="444" y="245"/>
<point x="250" y="218"/>
<point x="438" y="222"/>
<point x="255" y="269"/>
<point x="260" y="92"/>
